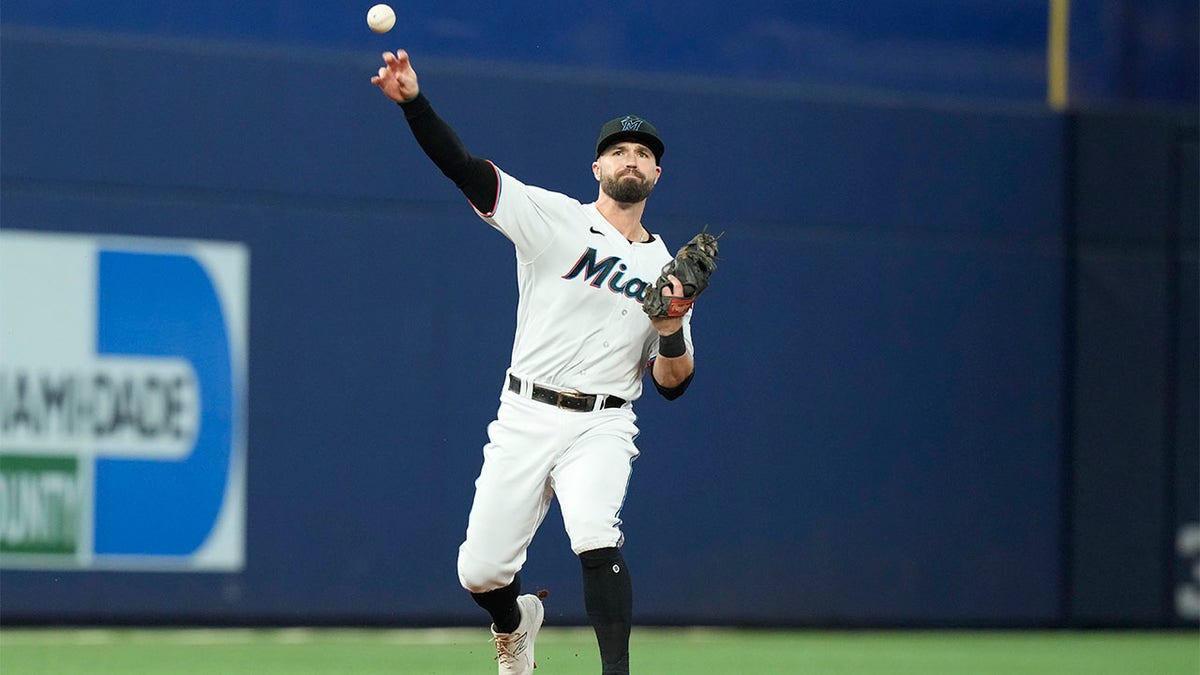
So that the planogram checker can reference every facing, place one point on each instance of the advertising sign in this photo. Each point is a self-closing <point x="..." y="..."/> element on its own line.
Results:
<point x="122" y="402"/>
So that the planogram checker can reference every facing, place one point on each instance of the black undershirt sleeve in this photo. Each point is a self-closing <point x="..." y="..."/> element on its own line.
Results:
<point x="474" y="176"/>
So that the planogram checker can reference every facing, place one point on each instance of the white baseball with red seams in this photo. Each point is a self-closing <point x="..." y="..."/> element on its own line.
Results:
<point x="580" y="327"/>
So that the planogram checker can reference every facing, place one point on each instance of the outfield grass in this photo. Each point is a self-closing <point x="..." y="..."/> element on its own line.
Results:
<point x="573" y="651"/>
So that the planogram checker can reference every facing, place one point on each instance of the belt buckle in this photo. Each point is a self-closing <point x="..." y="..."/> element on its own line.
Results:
<point x="579" y="401"/>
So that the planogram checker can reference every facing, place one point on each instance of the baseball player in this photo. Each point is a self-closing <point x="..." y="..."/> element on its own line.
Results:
<point x="565" y="427"/>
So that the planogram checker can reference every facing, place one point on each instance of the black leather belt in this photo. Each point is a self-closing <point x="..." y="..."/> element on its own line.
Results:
<point x="566" y="400"/>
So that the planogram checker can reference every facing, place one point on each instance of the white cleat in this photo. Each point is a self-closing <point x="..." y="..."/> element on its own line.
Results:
<point x="514" y="650"/>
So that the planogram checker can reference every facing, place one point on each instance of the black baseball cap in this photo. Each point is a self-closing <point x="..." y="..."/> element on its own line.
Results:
<point x="630" y="128"/>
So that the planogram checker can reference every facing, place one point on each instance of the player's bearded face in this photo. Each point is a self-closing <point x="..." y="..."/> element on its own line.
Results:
<point x="627" y="185"/>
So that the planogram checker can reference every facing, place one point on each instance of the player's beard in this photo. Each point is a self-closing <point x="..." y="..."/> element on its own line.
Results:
<point x="627" y="191"/>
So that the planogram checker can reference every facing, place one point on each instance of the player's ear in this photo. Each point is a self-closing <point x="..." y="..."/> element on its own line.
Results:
<point x="596" y="170"/>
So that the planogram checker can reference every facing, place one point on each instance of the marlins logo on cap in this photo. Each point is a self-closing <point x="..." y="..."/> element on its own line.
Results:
<point x="630" y="128"/>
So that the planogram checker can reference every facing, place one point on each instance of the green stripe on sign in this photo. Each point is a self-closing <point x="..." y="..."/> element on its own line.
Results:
<point x="39" y="504"/>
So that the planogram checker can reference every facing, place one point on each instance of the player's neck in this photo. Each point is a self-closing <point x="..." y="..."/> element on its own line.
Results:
<point x="626" y="218"/>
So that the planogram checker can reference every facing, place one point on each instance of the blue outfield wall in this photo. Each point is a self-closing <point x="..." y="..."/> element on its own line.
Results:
<point x="1121" y="51"/>
<point x="875" y="432"/>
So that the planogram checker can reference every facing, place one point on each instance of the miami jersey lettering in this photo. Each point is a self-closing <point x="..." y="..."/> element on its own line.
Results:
<point x="597" y="272"/>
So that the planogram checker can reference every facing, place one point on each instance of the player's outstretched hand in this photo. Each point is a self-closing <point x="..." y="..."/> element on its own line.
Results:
<point x="396" y="78"/>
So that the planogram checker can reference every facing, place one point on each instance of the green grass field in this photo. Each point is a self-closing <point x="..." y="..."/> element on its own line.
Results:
<point x="563" y="651"/>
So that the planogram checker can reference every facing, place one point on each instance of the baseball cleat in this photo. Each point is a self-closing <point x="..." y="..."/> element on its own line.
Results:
<point x="514" y="651"/>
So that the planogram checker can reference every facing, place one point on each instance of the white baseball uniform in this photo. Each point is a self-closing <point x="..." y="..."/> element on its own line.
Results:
<point x="580" y="328"/>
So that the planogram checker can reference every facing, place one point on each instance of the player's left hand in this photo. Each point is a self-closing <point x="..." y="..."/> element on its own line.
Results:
<point x="667" y="325"/>
<point x="682" y="279"/>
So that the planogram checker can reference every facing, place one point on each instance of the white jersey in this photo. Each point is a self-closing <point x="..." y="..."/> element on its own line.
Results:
<point x="580" y="324"/>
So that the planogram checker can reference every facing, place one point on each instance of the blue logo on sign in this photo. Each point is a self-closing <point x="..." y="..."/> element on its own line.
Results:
<point x="165" y="305"/>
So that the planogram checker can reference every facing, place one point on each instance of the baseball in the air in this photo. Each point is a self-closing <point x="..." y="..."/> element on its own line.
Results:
<point x="381" y="18"/>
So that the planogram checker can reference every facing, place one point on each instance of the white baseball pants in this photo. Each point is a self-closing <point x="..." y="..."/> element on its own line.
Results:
<point x="537" y="452"/>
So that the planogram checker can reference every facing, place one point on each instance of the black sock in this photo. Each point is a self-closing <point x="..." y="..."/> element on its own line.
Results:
<point x="502" y="605"/>
<point x="608" y="596"/>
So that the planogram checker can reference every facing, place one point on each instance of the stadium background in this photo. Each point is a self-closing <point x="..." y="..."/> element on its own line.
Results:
<point x="963" y="391"/>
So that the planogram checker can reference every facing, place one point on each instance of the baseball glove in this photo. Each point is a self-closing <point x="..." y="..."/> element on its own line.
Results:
<point x="692" y="265"/>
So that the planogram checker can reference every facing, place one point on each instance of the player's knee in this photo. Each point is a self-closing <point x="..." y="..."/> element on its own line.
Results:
<point x="481" y="576"/>
<point x="594" y="535"/>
